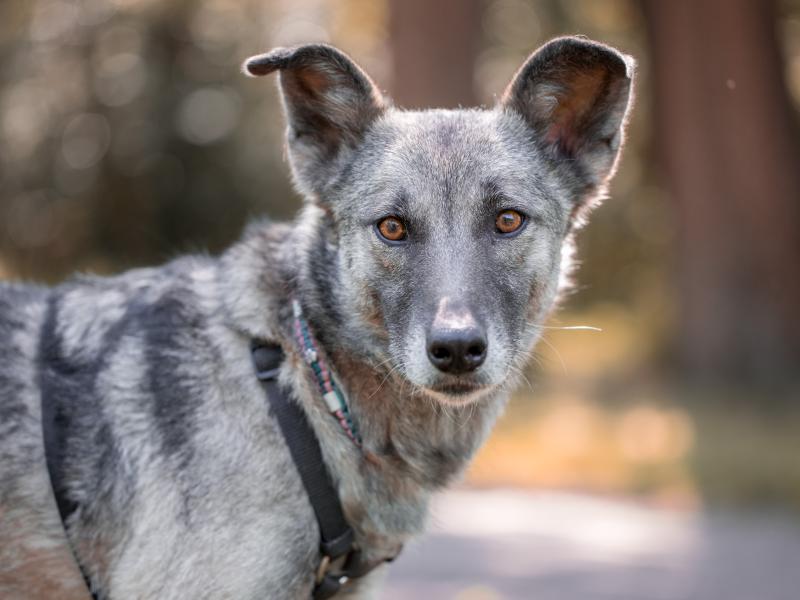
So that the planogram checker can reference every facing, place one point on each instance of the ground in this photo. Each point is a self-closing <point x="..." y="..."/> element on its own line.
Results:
<point x="504" y="544"/>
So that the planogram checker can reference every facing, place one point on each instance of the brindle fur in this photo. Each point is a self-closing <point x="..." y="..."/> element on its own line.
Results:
<point x="183" y="484"/>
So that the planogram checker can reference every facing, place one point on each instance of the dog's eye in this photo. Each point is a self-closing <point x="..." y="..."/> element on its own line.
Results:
<point x="508" y="222"/>
<point x="392" y="229"/>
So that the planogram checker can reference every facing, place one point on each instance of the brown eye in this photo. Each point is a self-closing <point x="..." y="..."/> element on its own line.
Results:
<point x="392" y="229"/>
<point x="508" y="221"/>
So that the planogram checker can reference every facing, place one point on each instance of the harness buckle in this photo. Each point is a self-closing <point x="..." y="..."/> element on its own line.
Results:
<point x="328" y="584"/>
<point x="322" y="569"/>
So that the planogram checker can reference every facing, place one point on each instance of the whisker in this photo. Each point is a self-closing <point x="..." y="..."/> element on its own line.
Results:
<point x="537" y="360"/>
<point x="472" y="409"/>
<point x="570" y="327"/>
<point x="392" y="370"/>
<point x="521" y="373"/>
<point x="382" y="363"/>
<point x="446" y="412"/>
<point x="557" y="353"/>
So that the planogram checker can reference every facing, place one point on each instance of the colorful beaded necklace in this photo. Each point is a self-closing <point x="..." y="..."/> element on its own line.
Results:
<point x="331" y="392"/>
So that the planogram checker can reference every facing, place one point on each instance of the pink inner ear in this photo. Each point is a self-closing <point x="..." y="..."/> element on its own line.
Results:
<point x="581" y="91"/>
<point x="310" y="81"/>
<point x="563" y="136"/>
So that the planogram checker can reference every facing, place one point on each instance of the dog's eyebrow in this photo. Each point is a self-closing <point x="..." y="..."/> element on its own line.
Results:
<point x="400" y="200"/>
<point x="493" y="195"/>
<point x="396" y="204"/>
<point x="491" y="188"/>
<point x="496" y="199"/>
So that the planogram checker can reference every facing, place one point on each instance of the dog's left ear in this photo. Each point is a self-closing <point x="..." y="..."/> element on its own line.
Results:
<point x="329" y="103"/>
<point x="574" y="93"/>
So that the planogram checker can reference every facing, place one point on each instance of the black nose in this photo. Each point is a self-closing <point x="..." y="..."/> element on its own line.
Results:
<point x="457" y="351"/>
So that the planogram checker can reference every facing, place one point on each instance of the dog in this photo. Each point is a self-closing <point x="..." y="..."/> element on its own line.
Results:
<point x="430" y="248"/>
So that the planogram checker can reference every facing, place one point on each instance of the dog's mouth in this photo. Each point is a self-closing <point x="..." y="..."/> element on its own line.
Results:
<point x="457" y="392"/>
<point x="456" y="389"/>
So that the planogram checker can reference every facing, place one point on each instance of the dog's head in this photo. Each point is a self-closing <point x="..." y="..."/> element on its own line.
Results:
<point x="442" y="232"/>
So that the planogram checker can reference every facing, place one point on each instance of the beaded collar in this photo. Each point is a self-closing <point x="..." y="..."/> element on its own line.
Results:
<point x="332" y="393"/>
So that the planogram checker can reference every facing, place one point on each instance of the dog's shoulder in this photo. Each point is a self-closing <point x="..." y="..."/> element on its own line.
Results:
<point x="256" y="275"/>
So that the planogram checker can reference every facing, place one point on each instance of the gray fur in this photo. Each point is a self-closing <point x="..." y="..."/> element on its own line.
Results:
<point x="183" y="483"/>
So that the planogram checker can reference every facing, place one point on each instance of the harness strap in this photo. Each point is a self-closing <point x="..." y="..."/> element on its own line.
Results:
<point x="337" y="538"/>
<point x="336" y="535"/>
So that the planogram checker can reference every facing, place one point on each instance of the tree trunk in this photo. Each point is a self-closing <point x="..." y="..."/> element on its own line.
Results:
<point x="727" y="136"/>
<point x="434" y="48"/>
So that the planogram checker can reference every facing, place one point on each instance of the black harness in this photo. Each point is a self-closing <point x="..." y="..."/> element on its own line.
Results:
<point x="340" y="560"/>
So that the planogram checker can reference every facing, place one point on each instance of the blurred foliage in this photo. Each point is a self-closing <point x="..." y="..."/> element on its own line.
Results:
<point x="128" y="135"/>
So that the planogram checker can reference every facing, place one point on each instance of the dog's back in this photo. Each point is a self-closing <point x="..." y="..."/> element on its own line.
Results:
<point x="157" y="391"/>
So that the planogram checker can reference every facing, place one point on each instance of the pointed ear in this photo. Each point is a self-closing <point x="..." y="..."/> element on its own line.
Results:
<point x="329" y="103"/>
<point x="574" y="94"/>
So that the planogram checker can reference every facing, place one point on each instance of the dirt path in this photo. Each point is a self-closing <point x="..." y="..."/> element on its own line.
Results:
<point x="494" y="545"/>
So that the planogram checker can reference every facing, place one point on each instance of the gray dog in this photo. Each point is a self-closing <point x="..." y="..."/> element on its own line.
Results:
<point x="406" y="297"/>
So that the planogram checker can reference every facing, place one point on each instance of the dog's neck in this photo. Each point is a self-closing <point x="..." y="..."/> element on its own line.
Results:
<point x="412" y="445"/>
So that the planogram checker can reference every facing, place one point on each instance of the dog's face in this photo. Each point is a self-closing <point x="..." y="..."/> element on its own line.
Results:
<point x="446" y="229"/>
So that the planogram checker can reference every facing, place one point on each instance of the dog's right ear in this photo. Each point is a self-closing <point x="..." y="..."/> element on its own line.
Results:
<point x="329" y="103"/>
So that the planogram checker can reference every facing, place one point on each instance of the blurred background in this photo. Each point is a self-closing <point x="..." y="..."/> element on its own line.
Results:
<point x="656" y="458"/>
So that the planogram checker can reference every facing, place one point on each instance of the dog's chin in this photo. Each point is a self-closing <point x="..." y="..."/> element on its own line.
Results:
<point x="457" y="394"/>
